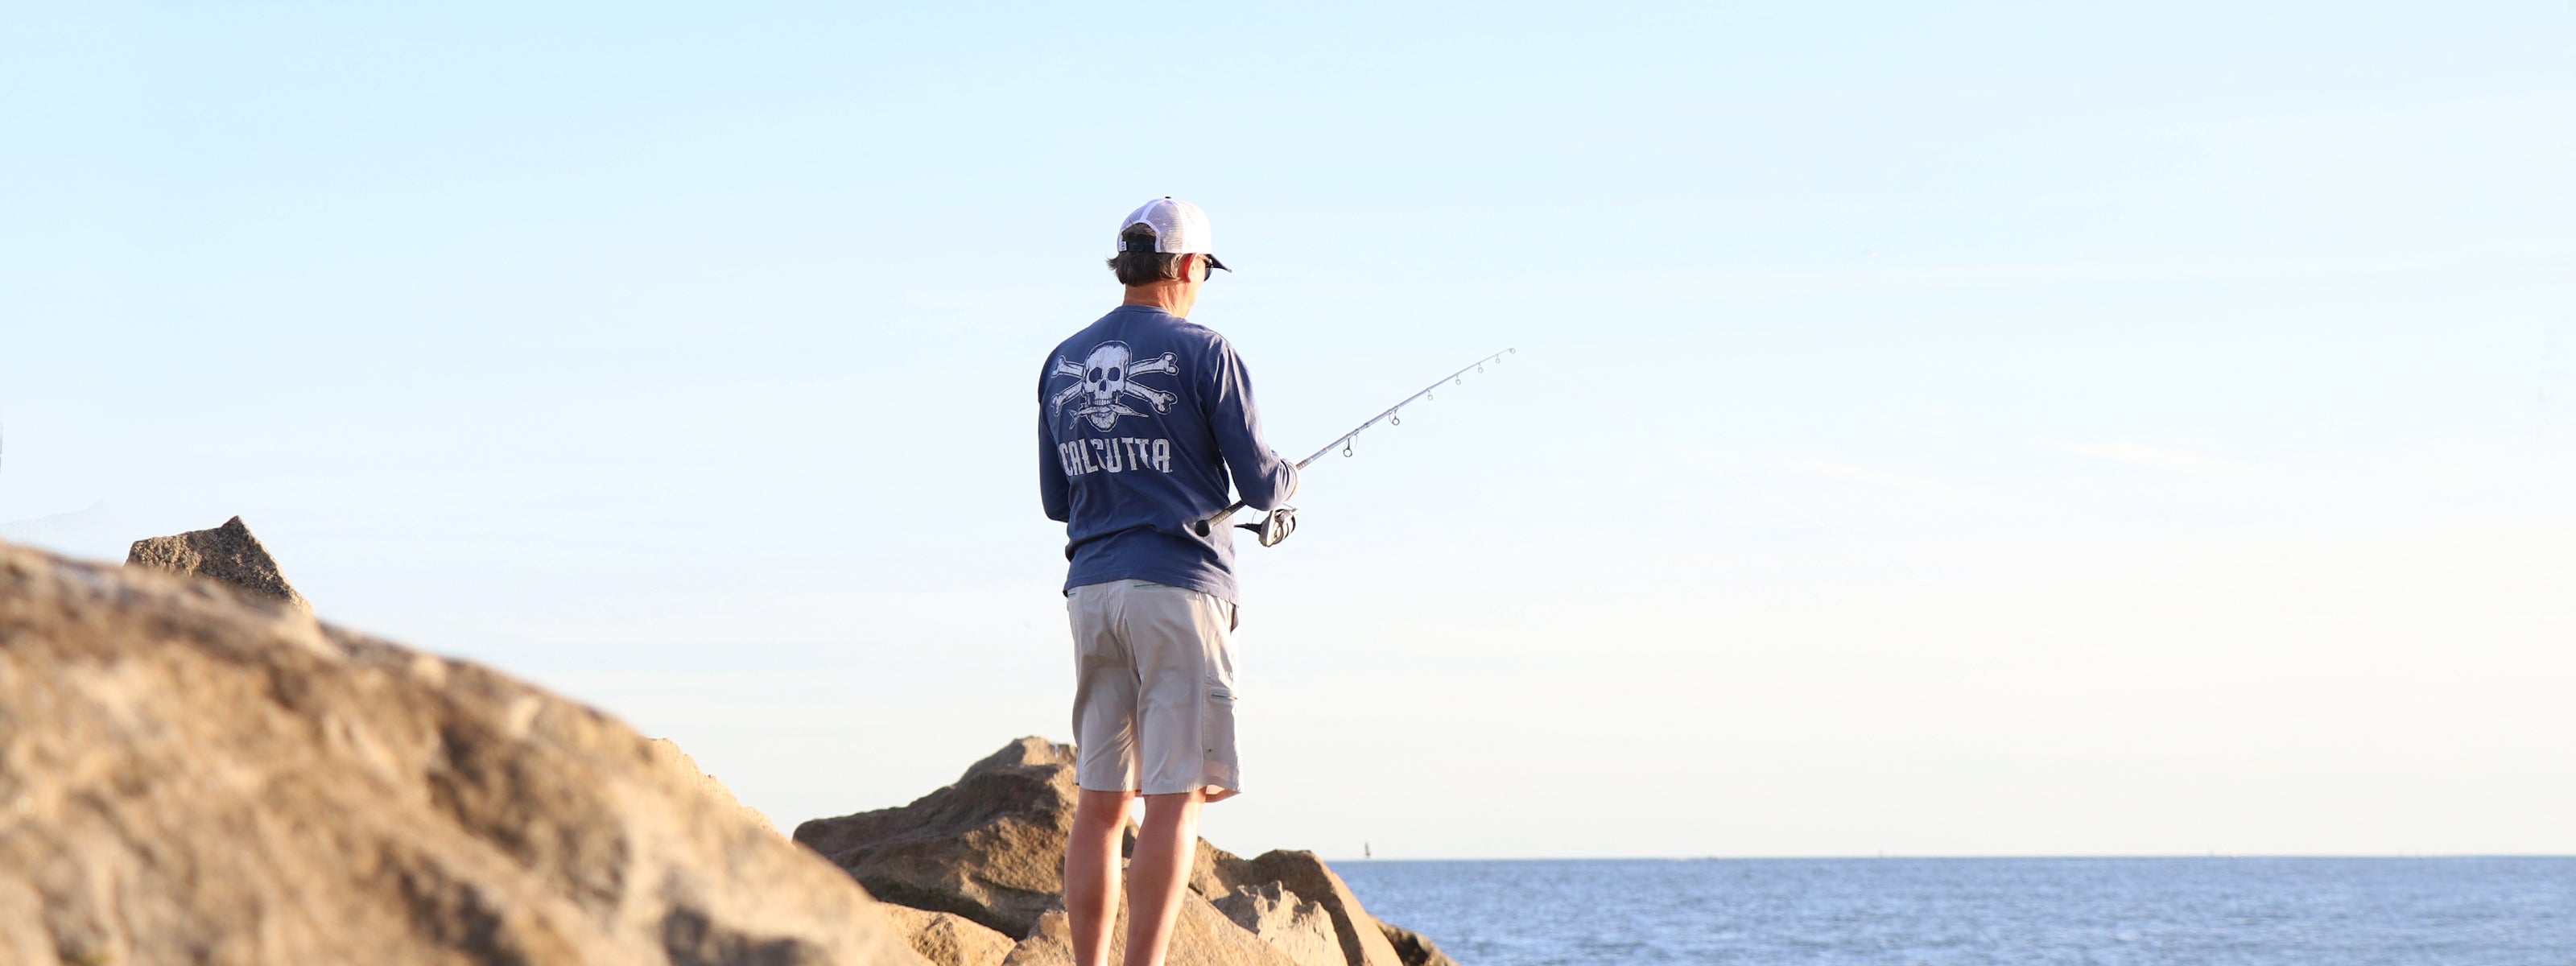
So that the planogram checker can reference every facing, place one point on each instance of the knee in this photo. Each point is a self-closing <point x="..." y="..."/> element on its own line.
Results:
<point x="1177" y="807"/>
<point x="1100" y="813"/>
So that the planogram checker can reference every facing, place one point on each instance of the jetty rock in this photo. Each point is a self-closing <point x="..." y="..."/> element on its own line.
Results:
<point x="1201" y="936"/>
<point x="989" y="849"/>
<point x="1414" y="948"/>
<point x="227" y="554"/>
<point x="1296" y="927"/>
<point x="948" y="939"/>
<point x="667" y="755"/>
<point x="1362" y="942"/>
<point x="194" y="775"/>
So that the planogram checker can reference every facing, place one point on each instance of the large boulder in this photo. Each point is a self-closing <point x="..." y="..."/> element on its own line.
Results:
<point x="667" y="755"/>
<point x="1201" y="936"/>
<point x="948" y="939"/>
<point x="1415" y="948"/>
<point x="1219" y="873"/>
<point x="1363" y="943"/>
<point x="189" y="775"/>
<point x="227" y="554"/>
<point x="1216" y="873"/>
<point x="989" y="848"/>
<point x="1301" y="930"/>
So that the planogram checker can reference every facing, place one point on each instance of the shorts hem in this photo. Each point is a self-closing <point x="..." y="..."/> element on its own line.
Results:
<point x="1234" y="788"/>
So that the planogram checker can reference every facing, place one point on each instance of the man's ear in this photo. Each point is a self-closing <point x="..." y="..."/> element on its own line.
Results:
<point x="1195" y="267"/>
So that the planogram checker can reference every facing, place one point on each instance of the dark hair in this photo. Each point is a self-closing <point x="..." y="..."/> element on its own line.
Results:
<point x="1140" y="264"/>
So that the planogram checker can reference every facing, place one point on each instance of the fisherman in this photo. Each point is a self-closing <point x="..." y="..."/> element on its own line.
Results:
<point x="1142" y="418"/>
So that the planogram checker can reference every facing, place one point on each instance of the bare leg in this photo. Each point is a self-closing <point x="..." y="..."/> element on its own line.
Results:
<point x="1091" y="873"/>
<point x="1166" y="847"/>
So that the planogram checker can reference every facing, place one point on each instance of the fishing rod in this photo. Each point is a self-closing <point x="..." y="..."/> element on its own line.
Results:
<point x="1279" y="523"/>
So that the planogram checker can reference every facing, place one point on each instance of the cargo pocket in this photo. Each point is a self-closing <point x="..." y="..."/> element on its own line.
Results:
<point x="1216" y="737"/>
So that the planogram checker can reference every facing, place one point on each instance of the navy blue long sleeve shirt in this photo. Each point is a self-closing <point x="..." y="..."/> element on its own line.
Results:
<point x="1142" y="420"/>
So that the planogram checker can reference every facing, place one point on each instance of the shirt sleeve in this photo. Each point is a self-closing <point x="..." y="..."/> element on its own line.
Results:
<point x="1261" y="477"/>
<point x="1053" y="489"/>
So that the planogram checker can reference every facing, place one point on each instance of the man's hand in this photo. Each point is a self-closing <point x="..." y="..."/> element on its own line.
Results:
<point x="1275" y="527"/>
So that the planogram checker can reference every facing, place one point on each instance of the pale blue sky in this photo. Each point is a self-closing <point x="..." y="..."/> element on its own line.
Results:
<point x="1997" y="429"/>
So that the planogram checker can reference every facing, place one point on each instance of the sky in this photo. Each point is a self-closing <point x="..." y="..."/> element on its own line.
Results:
<point x="1999" y="429"/>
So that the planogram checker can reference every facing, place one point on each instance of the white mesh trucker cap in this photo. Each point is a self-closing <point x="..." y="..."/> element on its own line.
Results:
<point x="1179" y="228"/>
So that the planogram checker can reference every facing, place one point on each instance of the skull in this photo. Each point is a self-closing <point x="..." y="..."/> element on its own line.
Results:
<point x="1104" y="375"/>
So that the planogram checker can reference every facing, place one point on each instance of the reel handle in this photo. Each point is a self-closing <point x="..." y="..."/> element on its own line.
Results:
<point x="1272" y="528"/>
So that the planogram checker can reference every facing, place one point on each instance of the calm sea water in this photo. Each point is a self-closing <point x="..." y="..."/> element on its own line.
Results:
<point x="1954" y="912"/>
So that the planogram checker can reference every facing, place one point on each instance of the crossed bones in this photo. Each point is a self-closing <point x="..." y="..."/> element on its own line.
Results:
<point x="1106" y="375"/>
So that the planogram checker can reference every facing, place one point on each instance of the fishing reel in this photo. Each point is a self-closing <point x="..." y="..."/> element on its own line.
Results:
<point x="1274" y="527"/>
<point x="1270" y="529"/>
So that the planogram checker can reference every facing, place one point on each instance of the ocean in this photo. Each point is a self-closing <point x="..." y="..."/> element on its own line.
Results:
<point x="2468" y="911"/>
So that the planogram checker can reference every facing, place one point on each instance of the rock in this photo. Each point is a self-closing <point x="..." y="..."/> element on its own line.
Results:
<point x="227" y="553"/>
<point x="1414" y="948"/>
<point x="1363" y="944"/>
<point x="989" y="848"/>
<point x="948" y="939"/>
<point x="1201" y="936"/>
<point x="1216" y="873"/>
<point x="190" y="777"/>
<point x="668" y="753"/>
<point x="1301" y="930"/>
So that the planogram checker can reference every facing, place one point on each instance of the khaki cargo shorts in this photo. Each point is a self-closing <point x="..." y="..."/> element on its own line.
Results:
<point x="1153" y="698"/>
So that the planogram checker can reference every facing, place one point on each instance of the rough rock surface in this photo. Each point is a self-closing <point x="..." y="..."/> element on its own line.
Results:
<point x="1201" y="937"/>
<point x="667" y="754"/>
<point x="1415" y="948"/>
<point x="227" y="553"/>
<point x="989" y="848"/>
<point x="948" y="939"/>
<point x="190" y="775"/>
<point x="1300" y="930"/>
<point x="1363" y="943"/>
<point x="1216" y="873"/>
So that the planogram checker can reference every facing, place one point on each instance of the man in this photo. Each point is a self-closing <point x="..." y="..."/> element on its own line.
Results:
<point x="1141" y="419"/>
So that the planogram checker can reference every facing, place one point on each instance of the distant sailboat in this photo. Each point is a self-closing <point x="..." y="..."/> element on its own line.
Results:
<point x="1365" y="853"/>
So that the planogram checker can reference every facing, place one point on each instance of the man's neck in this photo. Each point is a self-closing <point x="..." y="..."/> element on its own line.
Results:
<point x="1172" y="297"/>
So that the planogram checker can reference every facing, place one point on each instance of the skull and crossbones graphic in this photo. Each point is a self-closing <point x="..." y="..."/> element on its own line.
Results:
<point x="1108" y="374"/>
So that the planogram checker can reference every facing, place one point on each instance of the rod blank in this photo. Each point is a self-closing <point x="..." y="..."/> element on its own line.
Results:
<point x="1343" y="442"/>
